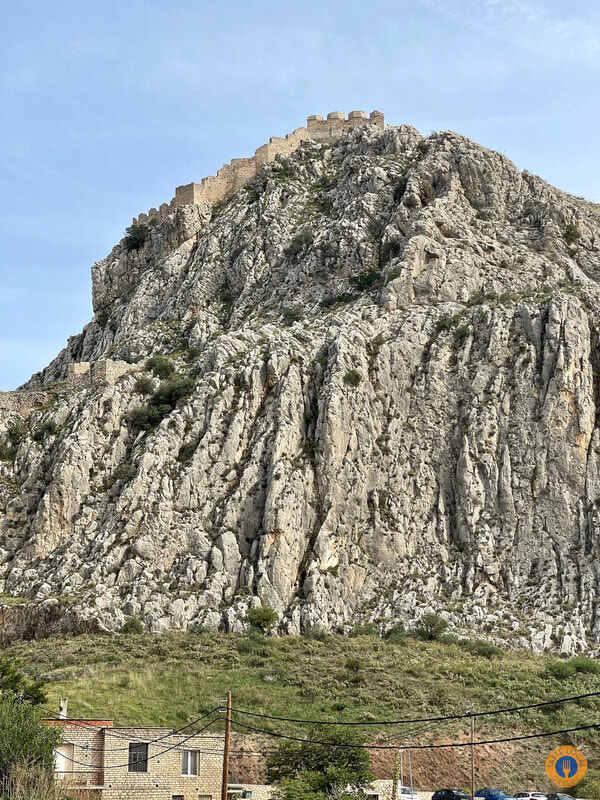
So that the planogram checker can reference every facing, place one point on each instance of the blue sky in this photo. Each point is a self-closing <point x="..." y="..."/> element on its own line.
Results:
<point x="106" y="107"/>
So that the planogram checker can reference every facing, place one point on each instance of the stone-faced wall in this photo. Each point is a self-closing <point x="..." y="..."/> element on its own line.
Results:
<point x="108" y="371"/>
<point x="163" y="778"/>
<point x="336" y="124"/>
<point x="80" y="375"/>
<point x="87" y="737"/>
<point x="240" y="171"/>
<point x="23" y="403"/>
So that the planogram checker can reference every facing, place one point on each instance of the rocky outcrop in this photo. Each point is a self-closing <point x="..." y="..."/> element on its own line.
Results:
<point x="394" y="354"/>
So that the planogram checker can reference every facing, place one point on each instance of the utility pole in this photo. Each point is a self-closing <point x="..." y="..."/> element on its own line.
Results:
<point x="472" y="756"/>
<point x="396" y="776"/>
<point x="226" y="749"/>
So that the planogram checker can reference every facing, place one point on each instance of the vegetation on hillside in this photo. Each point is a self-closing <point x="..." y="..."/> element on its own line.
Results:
<point x="165" y="680"/>
<point x="308" y="771"/>
<point x="24" y="742"/>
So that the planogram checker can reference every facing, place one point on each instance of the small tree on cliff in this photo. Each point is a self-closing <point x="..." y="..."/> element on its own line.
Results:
<point x="262" y="619"/>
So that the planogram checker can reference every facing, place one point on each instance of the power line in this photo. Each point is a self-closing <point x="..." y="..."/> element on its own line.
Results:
<point x="109" y="732"/>
<point x="419" y="719"/>
<point x="149" y="758"/>
<point x="430" y="726"/>
<point x="346" y="745"/>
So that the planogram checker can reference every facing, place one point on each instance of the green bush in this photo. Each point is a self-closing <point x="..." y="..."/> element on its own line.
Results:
<point x="585" y="665"/>
<point x="479" y="647"/>
<point x="144" y="417"/>
<point x="7" y="453"/>
<point x="17" y="432"/>
<point x="460" y="334"/>
<point x="14" y="683"/>
<point x="171" y="391"/>
<point x="366" y="280"/>
<point x="124" y="472"/>
<point x="282" y="172"/>
<point x="353" y="664"/>
<point x="45" y="429"/>
<point x="364" y="629"/>
<point x="291" y="314"/>
<point x="561" y="670"/>
<point x="396" y="634"/>
<point x="444" y="323"/>
<point x="299" y="244"/>
<point x="144" y="385"/>
<point x="324" y="183"/>
<point x="192" y="354"/>
<point x="317" y="633"/>
<point x="430" y="627"/>
<point x="323" y="204"/>
<point x="375" y="228"/>
<point x="161" y="366"/>
<point x="132" y="625"/>
<point x="352" y="377"/>
<point x="332" y="300"/>
<point x="162" y="402"/>
<point x="572" y="233"/>
<point x="262" y="618"/>
<point x="186" y="451"/>
<point x="135" y="236"/>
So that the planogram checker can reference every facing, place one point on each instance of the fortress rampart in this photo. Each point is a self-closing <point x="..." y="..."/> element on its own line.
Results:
<point x="24" y="403"/>
<point x="80" y="375"/>
<point x="236" y="174"/>
<point x="92" y="373"/>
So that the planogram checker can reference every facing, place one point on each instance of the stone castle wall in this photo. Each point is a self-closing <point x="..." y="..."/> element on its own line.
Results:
<point x="23" y="403"/>
<point x="240" y="171"/>
<point x="91" y="373"/>
<point x="80" y="375"/>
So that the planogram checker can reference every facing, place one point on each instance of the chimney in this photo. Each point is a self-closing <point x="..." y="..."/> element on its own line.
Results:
<point x="62" y="708"/>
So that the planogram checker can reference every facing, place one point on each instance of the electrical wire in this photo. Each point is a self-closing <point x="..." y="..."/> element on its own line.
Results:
<point x="419" y="719"/>
<point x="108" y="732"/>
<point x="149" y="758"/>
<point x="413" y="729"/>
<point x="348" y="746"/>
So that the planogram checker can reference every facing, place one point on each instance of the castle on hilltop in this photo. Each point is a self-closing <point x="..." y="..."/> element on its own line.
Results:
<point x="239" y="171"/>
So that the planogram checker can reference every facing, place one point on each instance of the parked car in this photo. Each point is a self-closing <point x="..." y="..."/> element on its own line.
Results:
<point x="450" y="794"/>
<point x="531" y="796"/>
<point x="560" y="796"/>
<point x="493" y="794"/>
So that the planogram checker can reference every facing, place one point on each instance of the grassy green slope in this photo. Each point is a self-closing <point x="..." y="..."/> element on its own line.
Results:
<point x="171" y="678"/>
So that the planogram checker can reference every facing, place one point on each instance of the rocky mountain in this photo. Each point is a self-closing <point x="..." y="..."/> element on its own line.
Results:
<point x="384" y="402"/>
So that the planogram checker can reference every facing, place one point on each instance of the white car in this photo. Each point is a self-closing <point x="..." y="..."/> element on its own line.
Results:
<point x="531" y="796"/>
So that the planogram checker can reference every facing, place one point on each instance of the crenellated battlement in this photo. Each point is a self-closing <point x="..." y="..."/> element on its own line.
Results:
<point x="233" y="176"/>
<point x="337" y="124"/>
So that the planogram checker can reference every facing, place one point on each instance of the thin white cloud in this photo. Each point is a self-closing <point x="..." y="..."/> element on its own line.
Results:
<point x="532" y="26"/>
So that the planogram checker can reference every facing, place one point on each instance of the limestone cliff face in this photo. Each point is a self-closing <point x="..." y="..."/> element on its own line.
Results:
<point x="394" y="348"/>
